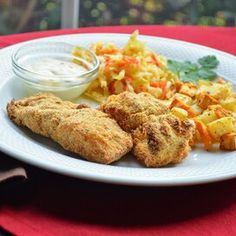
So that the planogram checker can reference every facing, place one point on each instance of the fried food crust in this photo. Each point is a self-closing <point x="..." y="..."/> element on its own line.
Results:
<point x="159" y="138"/>
<point x="162" y="140"/>
<point x="131" y="110"/>
<point x="77" y="128"/>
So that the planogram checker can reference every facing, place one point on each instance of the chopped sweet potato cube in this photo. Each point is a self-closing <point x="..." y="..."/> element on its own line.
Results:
<point x="228" y="142"/>
<point x="205" y="100"/>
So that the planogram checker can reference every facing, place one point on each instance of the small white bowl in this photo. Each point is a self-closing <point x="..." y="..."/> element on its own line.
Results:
<point x="67" y="86"/>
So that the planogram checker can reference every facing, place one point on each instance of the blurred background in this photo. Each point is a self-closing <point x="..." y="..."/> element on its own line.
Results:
<point x="33" y="15"/>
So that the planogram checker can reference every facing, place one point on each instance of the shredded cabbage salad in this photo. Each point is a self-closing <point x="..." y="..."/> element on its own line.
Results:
<point x="132" y="68"/>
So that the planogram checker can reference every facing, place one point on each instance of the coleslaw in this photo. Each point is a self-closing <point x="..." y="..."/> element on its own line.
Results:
<point x="133" y="68"/>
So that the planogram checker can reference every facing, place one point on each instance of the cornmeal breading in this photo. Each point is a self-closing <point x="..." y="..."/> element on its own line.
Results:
<point x="131" y="110"/>
<point x="162" y="140"/>
<point x="41" y="113"/>
<point x="159" y="137"/>
<point x="77" y="128"/>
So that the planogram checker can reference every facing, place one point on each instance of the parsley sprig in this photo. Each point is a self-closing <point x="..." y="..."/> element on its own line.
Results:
<point x="192" y="72"/>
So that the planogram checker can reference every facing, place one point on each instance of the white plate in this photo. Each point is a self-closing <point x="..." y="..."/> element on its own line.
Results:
<point x="199" y="167"/>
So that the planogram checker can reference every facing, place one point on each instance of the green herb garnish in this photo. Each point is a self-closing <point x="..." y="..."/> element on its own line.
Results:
<point x="192" y="72"/>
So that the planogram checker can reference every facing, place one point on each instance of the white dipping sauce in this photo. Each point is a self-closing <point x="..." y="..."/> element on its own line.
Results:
<point x="53" y="73"/>
<point x="54" y="67"/>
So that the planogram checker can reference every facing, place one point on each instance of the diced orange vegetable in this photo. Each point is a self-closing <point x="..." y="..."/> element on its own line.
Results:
<point x="178" y="85"/>
<point x="163" y="88"/>
<point x="228" y="142"/>
<point x="205" y="135"/>
<point x="191" y="113"/>
<point x="205" y="100"/>
<point x="221" y="112"/>
<point x="177" y="103"/>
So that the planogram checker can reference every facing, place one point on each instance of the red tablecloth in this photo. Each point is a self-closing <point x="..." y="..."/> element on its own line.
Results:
<point x="49" y="204"/>
<point x="217" y="37"/>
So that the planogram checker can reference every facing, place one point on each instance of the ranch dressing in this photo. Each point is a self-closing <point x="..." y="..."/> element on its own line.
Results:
<point x="53" y="67"/>
<point x="53" y="76"/>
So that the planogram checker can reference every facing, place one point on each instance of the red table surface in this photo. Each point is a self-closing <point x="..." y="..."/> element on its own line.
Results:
<point x="50" y="204"/>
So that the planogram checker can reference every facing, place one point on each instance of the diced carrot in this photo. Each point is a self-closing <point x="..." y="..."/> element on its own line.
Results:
<point x="178" y="85"/>
<point x="177" y="103"/>
<point x="228" y="142"/>
<point x="205" y="100"/>
<point x="162" y="84"/>
<point x="191" y="113"/>
<point x="221" y="112"/>
<point x="163" y="88"/>
<point x="205" y="135"/>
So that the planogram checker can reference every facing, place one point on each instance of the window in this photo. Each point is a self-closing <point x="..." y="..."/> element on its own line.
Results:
<point x="32" y="15"/>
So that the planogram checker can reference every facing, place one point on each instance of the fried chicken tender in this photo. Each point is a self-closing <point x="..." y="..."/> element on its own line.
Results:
<point x="162" y="140"/>
<point x="86" y="131"/>
<point x="159" y="138"/>
<point x="131" y="110"/>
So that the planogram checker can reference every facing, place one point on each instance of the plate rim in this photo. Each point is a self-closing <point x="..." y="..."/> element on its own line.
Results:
<point x="103" y="178"/>
<point x="181" y="181"/>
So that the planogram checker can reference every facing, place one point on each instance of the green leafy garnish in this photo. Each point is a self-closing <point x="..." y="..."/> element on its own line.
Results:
<point x="208" y="62"/>
<point x="192" y="72"/>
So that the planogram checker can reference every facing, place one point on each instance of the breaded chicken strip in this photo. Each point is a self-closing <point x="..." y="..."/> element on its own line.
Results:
<point x="159" y="137"/>
<point x="131" y="110"/>
<point x="86" y="131"/>
<point x="162" y="140"/>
